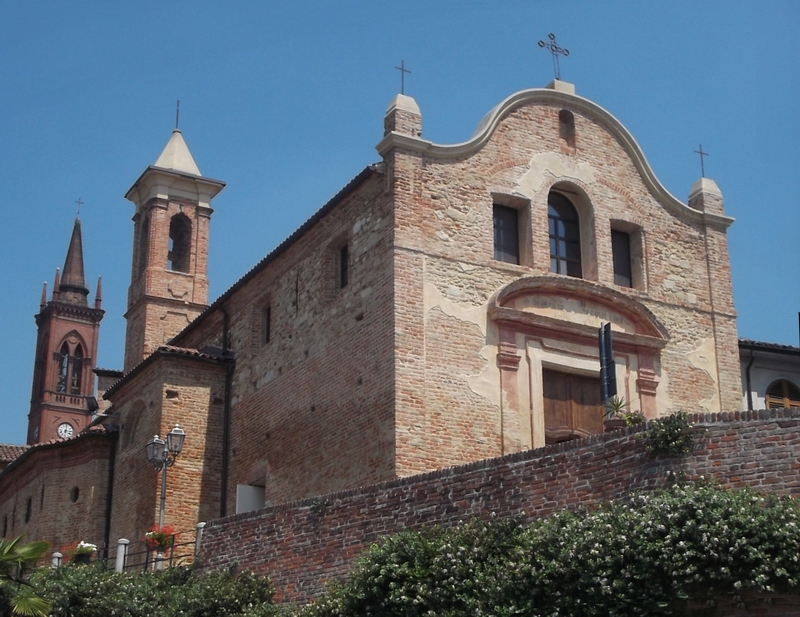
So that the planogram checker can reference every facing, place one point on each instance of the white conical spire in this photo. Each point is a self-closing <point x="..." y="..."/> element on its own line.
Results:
<point x="176" y="156"/>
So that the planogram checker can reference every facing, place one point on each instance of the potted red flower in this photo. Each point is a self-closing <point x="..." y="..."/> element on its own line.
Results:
<point x="160" y="539"/>
<point x="80" y="552"/>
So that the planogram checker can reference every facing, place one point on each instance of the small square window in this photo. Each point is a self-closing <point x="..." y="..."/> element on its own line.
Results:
<point x="506" y="234"/>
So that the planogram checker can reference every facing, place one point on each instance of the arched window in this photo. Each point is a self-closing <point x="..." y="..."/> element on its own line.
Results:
<point x="63" y="368"/>
<point x="782" y="393"/>
<point x="70" y="369"/>
<point x="77" y="370"/>
<point x="565" y="236"/>
<point x="180" y="234"/>
<point x="566" y="127"/>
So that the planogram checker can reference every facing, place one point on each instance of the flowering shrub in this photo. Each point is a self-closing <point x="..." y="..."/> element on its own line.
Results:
<point x="160" y="538"/>
<point x="669" y="435"/>
<point x="638" y="557"/>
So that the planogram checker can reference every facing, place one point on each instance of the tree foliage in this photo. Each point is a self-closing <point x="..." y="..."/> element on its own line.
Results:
<point x="16" y="595"/>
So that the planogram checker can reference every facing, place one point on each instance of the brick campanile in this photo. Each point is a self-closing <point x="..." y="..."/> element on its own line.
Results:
<point x="169" y="283"/>
<point x="66" y="352"/>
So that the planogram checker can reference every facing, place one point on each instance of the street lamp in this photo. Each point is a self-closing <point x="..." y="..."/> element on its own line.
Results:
<point x="162" y="454"/>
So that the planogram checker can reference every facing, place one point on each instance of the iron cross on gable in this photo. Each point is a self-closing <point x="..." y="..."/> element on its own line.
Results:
<point x="702" y="165"/>
<point x="403" y="70"/>
<point x="556" y="50"/>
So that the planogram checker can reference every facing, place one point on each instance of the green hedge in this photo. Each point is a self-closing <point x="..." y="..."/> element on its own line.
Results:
<point x="637" y="557"/>
<point x="92" y="591"/>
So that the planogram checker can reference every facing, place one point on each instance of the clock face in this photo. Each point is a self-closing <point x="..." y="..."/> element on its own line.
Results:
<point x="65" y="430"/>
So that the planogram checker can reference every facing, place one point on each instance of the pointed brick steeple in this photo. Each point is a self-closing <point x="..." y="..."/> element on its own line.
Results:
<point x="72" y="287"/>
<point x="66" y="352"/>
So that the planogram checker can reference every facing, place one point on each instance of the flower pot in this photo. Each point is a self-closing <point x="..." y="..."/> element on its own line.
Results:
<point x="82" y="558"/>
<point x="614" y="424"/>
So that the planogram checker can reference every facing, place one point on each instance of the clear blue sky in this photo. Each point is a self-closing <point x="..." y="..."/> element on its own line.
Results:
<point x="285" y="100"/>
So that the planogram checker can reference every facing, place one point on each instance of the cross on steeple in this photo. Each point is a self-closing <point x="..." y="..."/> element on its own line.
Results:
<point x="403" y="70"/>
<point x="702" y="166"/>
<point x="80" y="203"/>
<point x="556" y="51"/>
<point x="177" y="113"/>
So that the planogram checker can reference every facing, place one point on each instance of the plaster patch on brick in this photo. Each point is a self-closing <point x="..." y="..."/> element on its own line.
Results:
<point x="664" y="403"/>
<point x="463" y="312"/>
<point x="703" y="358"/>
<point x="553" y="164"/>
<point x="484" y="384"/>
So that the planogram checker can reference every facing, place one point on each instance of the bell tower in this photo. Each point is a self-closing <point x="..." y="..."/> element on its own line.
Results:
<point x="62" y="398"/>
<point x="169" y="284"/>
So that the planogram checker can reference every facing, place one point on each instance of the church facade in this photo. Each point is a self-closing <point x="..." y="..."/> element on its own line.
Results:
<point x="442" y="308"/>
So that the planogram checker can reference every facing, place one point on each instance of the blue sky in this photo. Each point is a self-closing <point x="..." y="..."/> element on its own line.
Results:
<point x="285" y="100"/>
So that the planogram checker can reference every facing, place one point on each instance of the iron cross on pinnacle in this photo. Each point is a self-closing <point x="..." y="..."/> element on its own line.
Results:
<point x="403" y="70"/>
<point x="80" y="203"/>
<point x="556" y="50"/>
<point x="702" y="166"/>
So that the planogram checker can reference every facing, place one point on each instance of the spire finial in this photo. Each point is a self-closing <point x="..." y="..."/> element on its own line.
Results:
<point x="403" y="70"/>
<point x="43" y="301"/>
<point x="177" y="115"/>
<point x="556" y="50"/>
<point x="72" y="288"/>
<point x="80" y="203"/>
<point x="56" y="284"/>
<point x="98" y="295"/>
<point x="702" y="165"/>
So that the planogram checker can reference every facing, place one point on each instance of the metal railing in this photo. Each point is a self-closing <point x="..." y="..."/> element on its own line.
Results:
<point x="127" y="555"/>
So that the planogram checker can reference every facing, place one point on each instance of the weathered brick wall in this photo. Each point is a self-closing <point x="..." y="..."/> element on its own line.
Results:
<point x="170" y="390"/>
<point x="312" y="408"/>
<point x="48" y="476"/>
<point x="448" y="391"/>
<point x="305" y="544"/>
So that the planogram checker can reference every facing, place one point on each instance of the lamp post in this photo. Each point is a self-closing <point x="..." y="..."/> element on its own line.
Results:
<point x="162" y="454"/>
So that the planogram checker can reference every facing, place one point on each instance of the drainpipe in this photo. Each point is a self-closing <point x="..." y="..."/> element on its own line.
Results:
<point x="112" y="463"/>
<point x="226" y="411"/>
<point x="747" y="379"/>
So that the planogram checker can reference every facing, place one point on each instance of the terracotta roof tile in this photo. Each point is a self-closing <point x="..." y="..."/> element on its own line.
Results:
<point x="8" y="452"/>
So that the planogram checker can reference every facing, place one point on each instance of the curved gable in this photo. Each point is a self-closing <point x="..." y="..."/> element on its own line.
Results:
<point x="545" y="96"/>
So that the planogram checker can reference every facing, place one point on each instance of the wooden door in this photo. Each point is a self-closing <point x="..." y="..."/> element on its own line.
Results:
<point x="572" y="406"/>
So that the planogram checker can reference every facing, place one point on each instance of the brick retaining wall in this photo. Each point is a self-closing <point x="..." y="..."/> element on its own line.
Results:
<point x="303" y="545"/>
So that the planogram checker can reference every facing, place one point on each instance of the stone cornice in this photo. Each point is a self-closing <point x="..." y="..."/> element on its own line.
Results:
<point x="544" y="96"/>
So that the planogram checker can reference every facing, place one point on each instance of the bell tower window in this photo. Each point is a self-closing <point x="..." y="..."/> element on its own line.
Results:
<point x="70" y="370"/>
<point x="63" y="368"/>
<point x="180" y="233"/>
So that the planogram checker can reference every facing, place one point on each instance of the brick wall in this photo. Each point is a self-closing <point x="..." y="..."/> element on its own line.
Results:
<point x="65" y="483"/>
<point x="170" y="389"/>
<point x="303" y="545"/>
<point x="312" y="408"/>
<point x="447" y="386"/>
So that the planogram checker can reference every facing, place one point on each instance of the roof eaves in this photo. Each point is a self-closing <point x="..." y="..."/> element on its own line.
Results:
<point x="362" y="176"/>
<point x="166" y="350"/>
